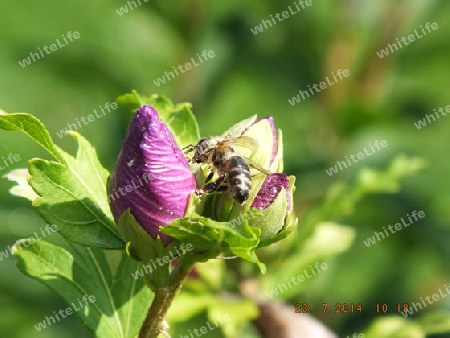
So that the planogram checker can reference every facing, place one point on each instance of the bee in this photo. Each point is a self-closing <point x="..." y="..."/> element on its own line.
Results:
<point x="232" y="168"/>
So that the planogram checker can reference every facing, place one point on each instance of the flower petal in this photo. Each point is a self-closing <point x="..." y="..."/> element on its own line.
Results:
<point x="264" y="131"/>
<point x="270" y="189"/>
<point x="154" y="173"/>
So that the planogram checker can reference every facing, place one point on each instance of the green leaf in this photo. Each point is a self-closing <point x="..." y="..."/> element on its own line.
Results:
<point x="131" y="297"/>
<point x="207" y="235"/>
<point x="73" y="197"/>
<point x="178" y="118"/>
<point x="72" y="192"/>
<point x="121" y="302"/>
<point x="32" y="127"/>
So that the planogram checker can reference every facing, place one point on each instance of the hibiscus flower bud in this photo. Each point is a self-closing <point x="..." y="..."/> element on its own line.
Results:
<point x="270" y="189"/>
<point x="151" y="175"/>
<point x="272" y="193"/>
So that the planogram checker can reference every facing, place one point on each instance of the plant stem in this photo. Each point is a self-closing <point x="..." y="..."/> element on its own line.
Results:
<point x="154" y="322"/>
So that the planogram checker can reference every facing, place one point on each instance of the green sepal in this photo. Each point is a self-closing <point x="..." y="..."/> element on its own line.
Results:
<point x="290" y="222"/>
<point x="272" y="219"/>
<point x="178" y="118"/>
<point x="208" y="235"/>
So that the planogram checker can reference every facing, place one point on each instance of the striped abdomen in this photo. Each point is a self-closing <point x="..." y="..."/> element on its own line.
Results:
<point x="239" y="178"/>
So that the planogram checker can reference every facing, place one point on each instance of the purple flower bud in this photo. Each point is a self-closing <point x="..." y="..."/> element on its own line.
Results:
<point x="270" y="189"/>
<point x="151" y="175"/>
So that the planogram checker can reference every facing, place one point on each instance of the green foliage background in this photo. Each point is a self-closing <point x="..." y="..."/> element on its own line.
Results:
<point x="254" y="74"/>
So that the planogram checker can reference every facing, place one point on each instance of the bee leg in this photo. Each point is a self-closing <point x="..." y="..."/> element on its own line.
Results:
<point x="213" y="186"/>
<point x="211" y="174"/>
<point x="205" y="190"/>
<point x="188" y="148"/>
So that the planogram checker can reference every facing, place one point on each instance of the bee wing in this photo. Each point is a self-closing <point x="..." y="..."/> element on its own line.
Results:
<point x="244" y="142"/>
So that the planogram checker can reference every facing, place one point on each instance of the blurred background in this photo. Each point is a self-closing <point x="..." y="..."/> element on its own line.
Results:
<point x="121" y="49"/>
